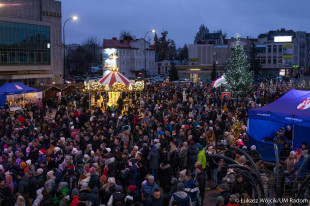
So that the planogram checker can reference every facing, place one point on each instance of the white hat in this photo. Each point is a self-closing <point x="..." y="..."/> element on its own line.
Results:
<point x="56" y="149"/>
<point x="86" y="156"/>
<point x="239" y="140"/>
<point x="108" y="149"/>
<point x="28" y="162"/>
<point x="183" y="173"/>
<point x="292" y="152"/>
<point x="62" y="139"/>
<point x="253" y="147"/>
<point x="245" y="147"/>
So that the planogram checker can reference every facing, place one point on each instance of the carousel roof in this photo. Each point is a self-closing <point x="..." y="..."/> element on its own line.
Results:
<point x="113" y="76"/>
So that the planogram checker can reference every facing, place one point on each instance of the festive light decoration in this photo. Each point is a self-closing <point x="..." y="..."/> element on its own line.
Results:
<point x="238" y="76"/>
<point x="236" y="130"/>
<point x="139" y="85"/>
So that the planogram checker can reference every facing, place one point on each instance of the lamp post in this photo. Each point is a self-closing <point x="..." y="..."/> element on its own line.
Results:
<point x="153" y="31"/>
<point x="74" y="18"/>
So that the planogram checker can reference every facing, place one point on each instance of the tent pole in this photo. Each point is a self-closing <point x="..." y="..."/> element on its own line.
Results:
<point x="293" y="131"/>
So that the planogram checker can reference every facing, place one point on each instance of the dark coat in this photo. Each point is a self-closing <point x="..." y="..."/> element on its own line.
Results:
<point x="153" y="159"/>
<point x="154" y="202"/>
<point x="47" y="201"/>
<point x="95" y="180"/>
<point x="201" y="179"/>
<point x="165" y="173"/>
<point x="192" y="156"/>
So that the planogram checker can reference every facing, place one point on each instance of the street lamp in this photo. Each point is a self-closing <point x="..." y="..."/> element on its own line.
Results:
<point x="74" y="18"/>
<point x="153" y="31"/>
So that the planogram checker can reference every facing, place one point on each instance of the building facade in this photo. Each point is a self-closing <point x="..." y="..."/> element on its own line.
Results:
<point x="30" y="42"/>
<point x="134" y="57"/>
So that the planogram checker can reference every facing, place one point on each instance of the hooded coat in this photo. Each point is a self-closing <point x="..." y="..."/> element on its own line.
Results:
<point x="153" y="158"/>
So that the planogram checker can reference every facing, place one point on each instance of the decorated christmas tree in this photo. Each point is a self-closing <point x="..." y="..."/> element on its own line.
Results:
<point x="238" y="75"/>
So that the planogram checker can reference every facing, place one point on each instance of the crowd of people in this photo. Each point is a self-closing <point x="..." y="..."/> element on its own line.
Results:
<point x="161" y="152"/>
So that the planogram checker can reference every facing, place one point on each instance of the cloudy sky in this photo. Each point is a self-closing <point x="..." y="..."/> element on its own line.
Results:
<point x="182" y="18"/>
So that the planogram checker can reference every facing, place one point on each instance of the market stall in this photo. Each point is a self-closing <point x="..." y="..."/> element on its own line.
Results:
<point x="18" y="94"/>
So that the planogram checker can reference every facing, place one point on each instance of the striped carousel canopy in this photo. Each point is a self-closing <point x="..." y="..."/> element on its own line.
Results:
<point x="111" y="77"/>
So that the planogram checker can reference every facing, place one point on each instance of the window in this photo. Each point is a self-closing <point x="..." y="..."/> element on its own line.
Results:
<point x="274" y="48"/>
<point x="280" y="48"/>
<point x="280" y="60"/>
<point x="269" y="60"/>
<point x="263" y="60"/>
<point x="269" y="48"/>
<point x="24" y="44"/>
<point x="274" y="60"/>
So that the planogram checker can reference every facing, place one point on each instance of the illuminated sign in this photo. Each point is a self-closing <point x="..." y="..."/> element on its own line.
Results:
<point x="194" y="69"/>
<point x="283" y="39"/>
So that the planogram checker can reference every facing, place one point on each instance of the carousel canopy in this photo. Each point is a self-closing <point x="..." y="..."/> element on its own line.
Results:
<point x="113" y="76"/>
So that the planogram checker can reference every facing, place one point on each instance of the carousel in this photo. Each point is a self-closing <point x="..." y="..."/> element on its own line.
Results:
<point x="114" y="89"/>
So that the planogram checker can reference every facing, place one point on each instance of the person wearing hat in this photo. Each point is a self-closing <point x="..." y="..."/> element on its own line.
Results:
<point x="118" y="198"/>
<point x="180" y="197"/>
<point x="202" y="156"/>
<point x="153" y="161"/>
<point x="61" y="194"/>
<point x="182" y="176"/>
<point x="75" y="197"/>
<point x="148" y="188"/>
<point x="289" y="162"/>
<point x="42" y="156"/>
<point x="133" y="195"/>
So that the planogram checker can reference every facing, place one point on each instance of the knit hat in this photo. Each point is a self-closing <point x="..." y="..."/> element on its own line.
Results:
<point x="42" y="151"/>
<point x="220" y="200"/>
<point x="23" y="165"/>
<point x="174" y="180"/>
<point x="180" y="187"/>
<point x="244" y="147"/>
<point x="183" y="173"/>
<point x="253" y="147"/>
<point x="151" y="177"/>
<point x="132" y="188"/>
<point x="191" y="143"/>
<point x="75" y="192"/>
<point x="63" y="184"/>
<point x="28" y="162"/>
<point x="111" y="180"/>
<point x="50" y="173"/>
<point x="39" y="171"/>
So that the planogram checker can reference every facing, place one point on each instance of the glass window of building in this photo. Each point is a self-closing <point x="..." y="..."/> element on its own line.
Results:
<point x="24" y="44"/>
<point x="280" y="48"/>
<point x="280" y="60"/>
<point x="269" y="48"/>
<point x="274" y="48"/>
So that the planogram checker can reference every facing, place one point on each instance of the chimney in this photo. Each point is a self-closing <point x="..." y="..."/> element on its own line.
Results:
<point x="114" y="38"/>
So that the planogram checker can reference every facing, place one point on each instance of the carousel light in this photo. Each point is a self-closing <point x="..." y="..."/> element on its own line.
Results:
<point x="130" y="87"/>
<point x="106" y="87"/>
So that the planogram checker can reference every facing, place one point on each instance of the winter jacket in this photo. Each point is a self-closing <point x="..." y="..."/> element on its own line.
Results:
<point x="165" y="173"/>
<point x="192" y="156"/>
<point x="202" y="158"/>
<point x="75" y="201"/>
<point x="183" y="157"/>
<point x="154" y="202"/>
<point x="95" y="180"/>
<point x="182" y="198"/>
<point x="47" y="201"/>
<point x="23" y="186"/>
<point x="147" y="190"/>
<point x="192" y="190"/>
<point x="129" y="175"/>
<point x="153" y="158"/>
<point x="201" y="179"/>
<point x="93" y="196"/>
<point x="49" y="184"/>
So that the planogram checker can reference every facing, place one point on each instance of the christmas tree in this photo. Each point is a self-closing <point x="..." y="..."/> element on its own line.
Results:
<point x="238" y="76"/>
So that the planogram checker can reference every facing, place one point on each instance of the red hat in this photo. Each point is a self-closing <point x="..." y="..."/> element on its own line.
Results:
<point x="186" y="127"/>
<point x="42" y="151"/>
<point x="132" y="188"/>
<point x="192" y="143"/>
<point x="71" y="167"/>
